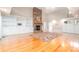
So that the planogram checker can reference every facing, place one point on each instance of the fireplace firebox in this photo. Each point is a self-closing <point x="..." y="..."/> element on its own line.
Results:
<point x="37" y="27"/>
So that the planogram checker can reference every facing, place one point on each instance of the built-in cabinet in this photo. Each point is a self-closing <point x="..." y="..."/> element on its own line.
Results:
<point x="12" y="25"/>
<point x="71" y="26"/>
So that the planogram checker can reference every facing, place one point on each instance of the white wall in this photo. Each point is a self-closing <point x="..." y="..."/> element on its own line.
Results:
<point x="55" y="26"/>
<point x="50" y="27"/>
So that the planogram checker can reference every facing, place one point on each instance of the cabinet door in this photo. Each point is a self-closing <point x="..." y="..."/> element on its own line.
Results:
<point x="25" y="27"/>
<point x="65" y="28"/>
<point x="77" y="28"/>
<point x="68" y="28"/>
<point x="8" y="25"/>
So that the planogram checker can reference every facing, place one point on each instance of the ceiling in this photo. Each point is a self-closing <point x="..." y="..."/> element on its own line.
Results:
<point x="5" y="10"/>
<point x="21" y="11"/>
<point x="54" y="11"/>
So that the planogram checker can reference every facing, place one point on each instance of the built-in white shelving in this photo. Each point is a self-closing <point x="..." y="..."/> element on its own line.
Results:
<point x="12" y="25"/>
<point x="71" y="25"/>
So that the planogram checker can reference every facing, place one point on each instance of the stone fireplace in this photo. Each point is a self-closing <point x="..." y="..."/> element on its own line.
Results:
<point x="37" y="20"/>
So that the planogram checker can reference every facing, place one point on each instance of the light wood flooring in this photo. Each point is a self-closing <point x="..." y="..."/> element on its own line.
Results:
<point x="40" y="42"/>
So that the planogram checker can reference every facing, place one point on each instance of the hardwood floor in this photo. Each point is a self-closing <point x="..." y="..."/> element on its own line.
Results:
<point x="40" y="42"/>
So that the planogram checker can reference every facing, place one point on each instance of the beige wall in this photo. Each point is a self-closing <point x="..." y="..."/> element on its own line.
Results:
<point x="20" y="11"/>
